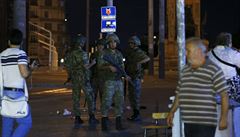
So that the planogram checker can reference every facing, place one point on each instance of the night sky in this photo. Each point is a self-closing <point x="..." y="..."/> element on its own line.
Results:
<point x="222" y="15"/>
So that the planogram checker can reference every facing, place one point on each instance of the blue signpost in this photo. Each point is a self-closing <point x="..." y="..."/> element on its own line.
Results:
<point x="108" y="26"/>
<point x="108" y="16"/>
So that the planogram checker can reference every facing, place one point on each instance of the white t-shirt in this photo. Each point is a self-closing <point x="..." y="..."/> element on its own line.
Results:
<point x="226" y="54"/>
<point x="12" y="77"/>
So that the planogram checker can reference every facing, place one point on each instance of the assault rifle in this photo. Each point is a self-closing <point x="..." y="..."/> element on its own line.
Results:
<point x="120" y="70"/>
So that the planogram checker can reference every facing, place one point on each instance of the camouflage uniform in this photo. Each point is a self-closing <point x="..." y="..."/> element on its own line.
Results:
<point x="66" y="57"/>
<point x="135" y="71"/>
<point x="111" y="64"/>
<point x="113" y="84"/>
<point x="78" y="67"/>
<point x="80" y="79"/>
<point x="97" y="78"/>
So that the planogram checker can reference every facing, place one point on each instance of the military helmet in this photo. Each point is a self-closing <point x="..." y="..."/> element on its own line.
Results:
<point x="113" y="37"/>
<point x="135" y="40"/>
<point x="79" y="40"/>
<point x="101" y="42"/>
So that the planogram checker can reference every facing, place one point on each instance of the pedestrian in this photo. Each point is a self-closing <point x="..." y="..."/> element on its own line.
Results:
<point x="135" y="57"/>
<point x="97" y="77"/>
<point x="78" y="66"/>
<point x="200" y="80"/>
<point x="224" y="51"/>
<point x="113" y="85"/>
<point x="14" y="72"/>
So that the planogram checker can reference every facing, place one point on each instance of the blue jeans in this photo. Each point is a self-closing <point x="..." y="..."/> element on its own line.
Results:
<point x="134" y="93"/>
<point x="24" y="126"/>
<point x="197" y="130"/>
<point x="236" y="121"/>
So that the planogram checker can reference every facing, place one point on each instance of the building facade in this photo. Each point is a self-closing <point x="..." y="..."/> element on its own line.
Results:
<point x="46" y="21"/>
<point x="192" y="25"/>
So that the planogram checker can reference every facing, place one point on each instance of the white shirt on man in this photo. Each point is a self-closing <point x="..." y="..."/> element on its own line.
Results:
<point x="226" y="54"/>
<point x="12" y="77"/>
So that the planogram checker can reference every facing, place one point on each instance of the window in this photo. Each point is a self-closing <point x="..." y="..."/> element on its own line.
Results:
<point x="34" y="2"/>
<point x="48" y="2"/>
<point x="59" y="38"/>
<point x="33" y="39"/>
<point x="33" y="14"/>
<point x="46" y="14"/>
<point x="33" y="28"/>
<point x="60" y="27"/>
<point x="48" y="26"/>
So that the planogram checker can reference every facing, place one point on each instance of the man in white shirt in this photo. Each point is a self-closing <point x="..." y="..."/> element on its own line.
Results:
<point x="223" y="50"/>
<point x="15" y="71"/>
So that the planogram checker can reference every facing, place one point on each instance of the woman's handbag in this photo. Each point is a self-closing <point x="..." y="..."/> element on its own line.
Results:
<point x="14" y="108"/>
<point x="234" y="89"/>
<point x="234" y="83"/>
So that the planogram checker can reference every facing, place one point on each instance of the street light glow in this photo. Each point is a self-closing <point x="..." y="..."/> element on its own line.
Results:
<point x="62" y="60"/>
<point x="65" y="19"/>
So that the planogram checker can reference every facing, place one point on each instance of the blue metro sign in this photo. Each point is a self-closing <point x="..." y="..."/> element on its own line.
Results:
<point x="108" y="16"/>
<point x="108" y="26"/>
<point x="108" y="12"/>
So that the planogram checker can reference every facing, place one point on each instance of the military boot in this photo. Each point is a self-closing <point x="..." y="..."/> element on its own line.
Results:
<point x="136" y="116"/>
<point x="119" y="123"/>
<point x="78" y="122"/>
<point x="92" y="119"/>
<point x="104" y="123"/>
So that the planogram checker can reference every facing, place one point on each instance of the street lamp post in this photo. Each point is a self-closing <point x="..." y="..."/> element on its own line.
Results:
<point x="110" y="2"/>
<point x="181" y="34"/>
<point x="181" y="43"/>
<point x="150" y="37"/>
<point x="19" y="18"/>
<point x="87" y="24"/>
<point x="161" y="48"/>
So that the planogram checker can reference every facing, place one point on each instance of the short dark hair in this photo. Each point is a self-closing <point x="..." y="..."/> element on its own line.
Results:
<point x="224" y="38"/>
<point x="16" y="37"/>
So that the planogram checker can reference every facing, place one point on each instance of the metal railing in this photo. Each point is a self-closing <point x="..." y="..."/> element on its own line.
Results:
<point x="53" y="55"/>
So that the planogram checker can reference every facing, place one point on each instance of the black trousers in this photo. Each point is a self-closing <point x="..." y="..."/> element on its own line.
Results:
<point x="197" y="130"/>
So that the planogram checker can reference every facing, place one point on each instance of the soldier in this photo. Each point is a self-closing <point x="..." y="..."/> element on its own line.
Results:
<point x="66" y="57"/>
<point x="97" y="78"/>
<point x="78" y="66"/>
<point x="113" y="85"/>
<point x="135" y="57"/>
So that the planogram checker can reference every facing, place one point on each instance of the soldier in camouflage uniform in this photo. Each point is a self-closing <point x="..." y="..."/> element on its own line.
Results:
<point x="113" y="86"/>
<point x="78" y="67"/>
<point x="135" y="57"/>
<point x="68" y="50"/>
<point x="97" y="77"/>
